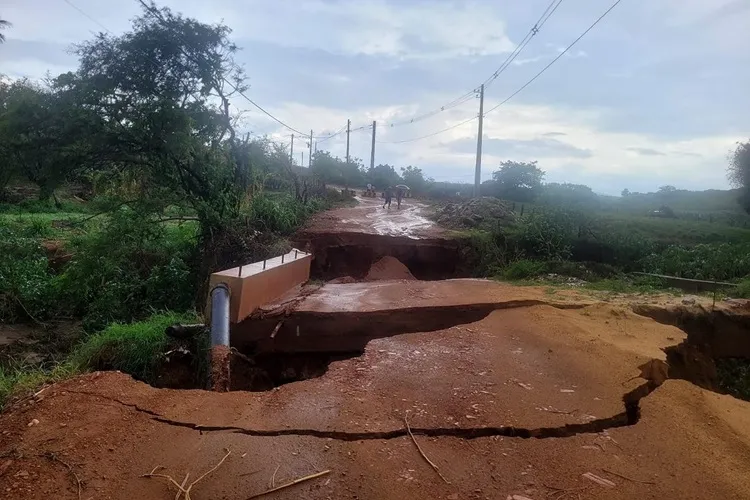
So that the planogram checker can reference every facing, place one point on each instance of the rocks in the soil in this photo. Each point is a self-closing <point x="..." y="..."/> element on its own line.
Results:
<point x="388" y="268"/>
<point x="689" y="300"/>
<point x="475" y="213"/>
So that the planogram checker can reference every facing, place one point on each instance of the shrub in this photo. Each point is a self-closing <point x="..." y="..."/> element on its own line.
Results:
<point x="136" y="348"/>
<point x="523" y="269"/>
<point x="25" y="278"/>
<point x="719" y="261"/>
<point x="546" y="234"/>
<point x="743" y="289"/>
<point x="132" y="266"/>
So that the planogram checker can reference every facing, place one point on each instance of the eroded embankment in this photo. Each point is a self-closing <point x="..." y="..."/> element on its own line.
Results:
<point x="352" y="254"/>
<point x="714" y="337"/>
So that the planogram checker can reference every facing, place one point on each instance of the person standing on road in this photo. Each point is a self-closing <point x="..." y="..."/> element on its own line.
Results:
<point x="388" y="194"/>
<point x="399" y="197"/>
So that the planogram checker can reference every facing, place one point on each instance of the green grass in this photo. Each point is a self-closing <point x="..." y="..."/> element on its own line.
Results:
<point x="134" y="348"/>
<point x="675" y="231"/>
<point x="17" y="381"/>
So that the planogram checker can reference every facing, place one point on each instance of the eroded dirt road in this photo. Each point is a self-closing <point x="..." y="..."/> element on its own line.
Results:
<point x="510" y="392"/>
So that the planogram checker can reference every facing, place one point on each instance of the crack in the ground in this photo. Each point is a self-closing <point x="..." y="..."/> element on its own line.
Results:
<point x="629" y="417"/>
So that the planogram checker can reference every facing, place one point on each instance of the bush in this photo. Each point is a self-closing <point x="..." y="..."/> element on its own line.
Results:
<point x="743" y="289"/>
<point x="546" y="234"/>
<point x="523" y="269"/>
<point x="136" y="348"/>
<point x="129" y="268"/>
<point x="25" y="278"/>
<point x="718" y="261"/>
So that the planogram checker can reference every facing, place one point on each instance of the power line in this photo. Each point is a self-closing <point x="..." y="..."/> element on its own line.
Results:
<point x="325" y="138"/>
<point x="553" y="61"/>
<point x="551" y="8"/>
<point x="87" y="16"/>
<point x="432" y="134"/>
<point x="562" y="53"/>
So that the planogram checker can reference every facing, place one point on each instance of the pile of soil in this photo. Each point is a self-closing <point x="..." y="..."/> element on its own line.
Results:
<point x="474" y="213"/>
<point x="388" y="268"/>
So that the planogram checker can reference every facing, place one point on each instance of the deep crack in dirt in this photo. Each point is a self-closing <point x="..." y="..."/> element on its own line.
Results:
<point x="629" y="417"/>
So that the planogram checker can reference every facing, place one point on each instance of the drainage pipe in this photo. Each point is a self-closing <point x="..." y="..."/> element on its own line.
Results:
<point x="220" y="315"/>
<point x="220" y="353"/>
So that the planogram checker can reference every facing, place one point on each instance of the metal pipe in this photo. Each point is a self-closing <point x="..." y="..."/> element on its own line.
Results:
<point x="264" y="264"/>
<point x="220" y="315"/>
<point x="282" y="258"/>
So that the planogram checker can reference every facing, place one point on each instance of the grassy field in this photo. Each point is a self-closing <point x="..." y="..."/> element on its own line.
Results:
<point x="675" y="231"/>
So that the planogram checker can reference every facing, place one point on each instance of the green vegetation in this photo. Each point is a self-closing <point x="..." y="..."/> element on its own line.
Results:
<point x="136" y="348"/>
<point x="124" y="184"/>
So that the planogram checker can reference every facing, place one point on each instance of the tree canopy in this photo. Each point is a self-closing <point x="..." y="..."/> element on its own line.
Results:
<point x="516" y="180"/>
<point x="739" y="172"/>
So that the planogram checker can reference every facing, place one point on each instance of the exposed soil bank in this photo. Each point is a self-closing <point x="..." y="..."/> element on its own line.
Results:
<point x="353" y="254"/>
<point x="712" y="336"/>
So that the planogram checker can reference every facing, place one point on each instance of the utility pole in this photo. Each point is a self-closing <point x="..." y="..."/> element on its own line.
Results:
<point x="372" y="150"/>
<point x="316" y="146"/>
<point x="478" y="171"/>
<point x="302" y="161"/>
<point x="291" y="151"/>
<point x="348" y="127"/>
<point x="309" y="161"/>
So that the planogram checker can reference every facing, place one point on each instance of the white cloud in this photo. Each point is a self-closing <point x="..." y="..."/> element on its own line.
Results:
<point x="370" y="27"/>
<point x="696" y="164"/>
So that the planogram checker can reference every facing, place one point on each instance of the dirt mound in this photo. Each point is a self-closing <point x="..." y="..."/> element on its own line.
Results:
<point x="476" y="212"/>
<point x="388" y="268"/>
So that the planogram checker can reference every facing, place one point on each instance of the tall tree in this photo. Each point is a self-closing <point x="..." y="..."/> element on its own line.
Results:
<point x="163" y="92"/>
<point x="517" y="180"/>
<point x="739" y="172"/>
<point x="414" y="178"/>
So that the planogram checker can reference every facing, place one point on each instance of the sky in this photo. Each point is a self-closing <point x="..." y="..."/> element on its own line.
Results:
<point x="655" y="94"/>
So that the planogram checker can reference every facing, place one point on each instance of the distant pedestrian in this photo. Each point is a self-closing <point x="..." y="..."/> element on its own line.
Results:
<point x="388" y="195"/>
<point x="399" y="196"/>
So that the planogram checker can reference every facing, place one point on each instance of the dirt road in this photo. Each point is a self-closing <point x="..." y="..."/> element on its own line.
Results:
<point x="369" y="217"/>
<point x="510" y="393"/>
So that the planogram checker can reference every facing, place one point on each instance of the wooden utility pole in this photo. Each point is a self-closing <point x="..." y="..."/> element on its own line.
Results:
<point x="302" y="162"/>
<point x="348" y="127"/>
<point x="309" y="161"/>
<point x="372" y="150"/>
<point x="291" y="151"/>
<point x="478" y="171"/>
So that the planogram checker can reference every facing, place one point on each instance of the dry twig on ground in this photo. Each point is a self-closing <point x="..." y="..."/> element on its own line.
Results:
<point x="419" y="448"/>
<point x="626" y="477"/>
<point x="54" y="458"/>
<point x="292" y="483"/>
<point x="181" y="490"/>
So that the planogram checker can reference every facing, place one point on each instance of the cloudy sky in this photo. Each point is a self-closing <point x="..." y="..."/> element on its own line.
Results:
<point x="657" y="93"/>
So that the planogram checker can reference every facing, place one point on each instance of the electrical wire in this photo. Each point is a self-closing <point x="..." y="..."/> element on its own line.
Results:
<point x="551" y="8"/>
<point x="562" y="53"/>
<point x="553" y="61"/>
<point x="456" y="125"/>
<point x="325" y="138"/>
